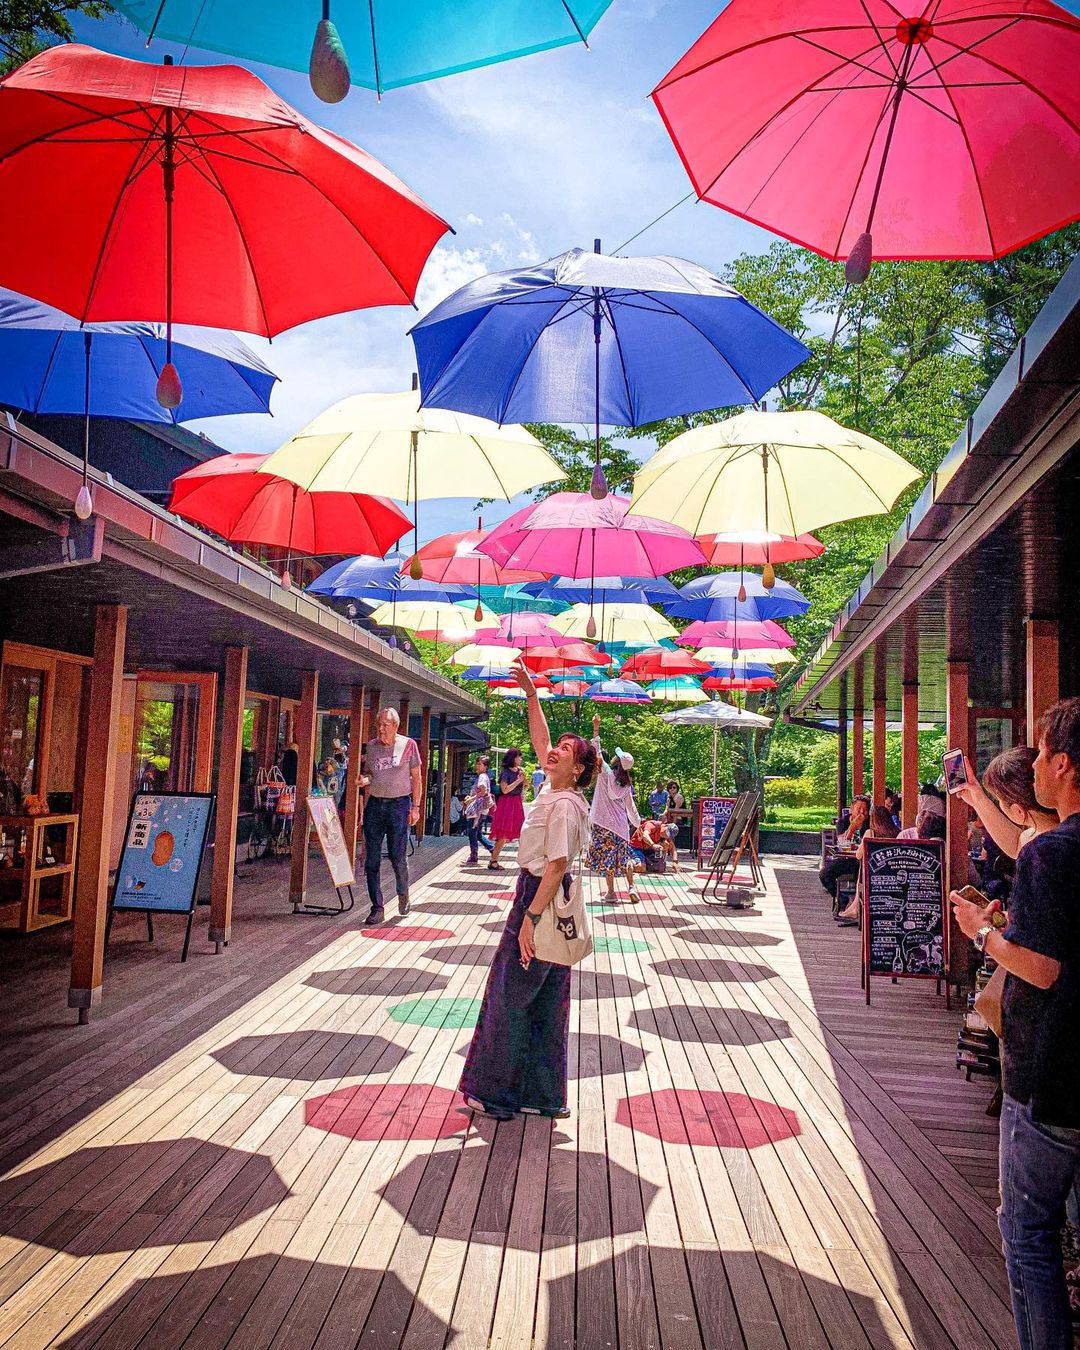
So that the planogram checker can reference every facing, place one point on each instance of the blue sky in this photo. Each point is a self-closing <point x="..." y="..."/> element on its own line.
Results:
<point x="525" y="159"/>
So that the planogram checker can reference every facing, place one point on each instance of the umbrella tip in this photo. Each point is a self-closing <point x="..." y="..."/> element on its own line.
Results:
<point x="768" y="576"/>
<point x="84" y="504"/>
<point x="598" y="488"/>
<point x="170" y="392"/>
<point x="860" y="260"/>
<point x="416" y="567"/>
<point x="328" y="68"/>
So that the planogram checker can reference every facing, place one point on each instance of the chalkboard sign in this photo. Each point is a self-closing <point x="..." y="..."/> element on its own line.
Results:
<point x="905" y="929"/>
<point x="713" y="814"/>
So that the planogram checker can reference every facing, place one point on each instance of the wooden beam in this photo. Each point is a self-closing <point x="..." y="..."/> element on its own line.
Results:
<point x="909" y="723"/>
<point x="858" y="735"/>
<point x="81" y="544"/>
<point x="403" y="713"/>
<point x="880" y="718"/>
<point x="425" y="760"/>
<point x="306" y="725"/>
<point x="958" y="737"/>
<point x="841" y="748"/>
<point x="98" y="796"/>
<point x="1043" y="682"/>
<point x="234" y="696"/>
<point x="351" y="823"/>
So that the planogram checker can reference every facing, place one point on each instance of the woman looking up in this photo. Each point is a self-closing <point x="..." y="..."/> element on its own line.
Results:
<point x="509" y="814"/>
<point x="614" y="817"/>
<point x="1016" y="817"/>
<point x="517" y="1059"/>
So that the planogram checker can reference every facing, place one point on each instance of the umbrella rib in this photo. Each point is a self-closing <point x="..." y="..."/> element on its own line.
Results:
<point x="243" y="240"/>
<point x="971" y="156"/>
<point x="764" y="41"/>
<point x="622" y="360"/>
<point x="488" y="461"/>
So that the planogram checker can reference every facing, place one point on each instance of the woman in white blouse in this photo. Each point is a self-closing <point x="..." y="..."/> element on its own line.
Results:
<point x="614" y="817"/>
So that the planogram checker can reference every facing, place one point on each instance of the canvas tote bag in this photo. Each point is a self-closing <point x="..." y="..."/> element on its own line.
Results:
<point x="564" y="935"/>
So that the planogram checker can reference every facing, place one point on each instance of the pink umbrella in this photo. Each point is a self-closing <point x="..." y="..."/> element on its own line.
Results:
<point x="948" y="128"/>
<point x="739" y="634"/>
<point x="574" y="535"/>
<point x="452" y="559"/>
<point x="528" y="626"/>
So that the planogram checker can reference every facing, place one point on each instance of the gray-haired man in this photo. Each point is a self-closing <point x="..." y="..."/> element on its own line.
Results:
<point x="392" y="766"/>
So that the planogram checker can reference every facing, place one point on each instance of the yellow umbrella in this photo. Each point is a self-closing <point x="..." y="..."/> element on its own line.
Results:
<point x="387" y="445"/>
<point x="618" y="623"/>
<point x="480" y="654"/>
<point x="781" y="473"/>
<point x="752" y="656"/>
<point x="447" y="622"/>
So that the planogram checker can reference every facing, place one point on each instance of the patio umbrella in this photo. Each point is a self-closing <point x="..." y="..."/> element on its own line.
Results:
<point x="618" y="691"/>
<point x="252" y="202"/>
<point x="757" y="549"/>
<point x="618" y="623"/>
<point x="718" y="716"/>
<point x="228" y="495"/>
<point x="388" y="443"/>
<point x="388" y="45"/>
<point x="731" y="633"/>
<point x="727" y="595"/>
<point x="588" y="338"/>
<point x="661" y="663"/>
<point x="783" y="472"/>
<point x="865" y="130"/>
<point x="677" y="689"/>
<point x="50" y="363"/>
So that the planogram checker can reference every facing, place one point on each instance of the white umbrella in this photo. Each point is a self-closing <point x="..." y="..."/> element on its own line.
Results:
<point x="716" y="714"/>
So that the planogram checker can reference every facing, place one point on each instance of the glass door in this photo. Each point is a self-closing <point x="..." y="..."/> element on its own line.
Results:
<point x="173" y="732"/>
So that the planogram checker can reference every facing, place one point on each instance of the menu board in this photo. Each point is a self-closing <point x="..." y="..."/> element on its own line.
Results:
<point x="163" y="849"/>
<point x="713" y="814"/>
<point x="905" y="933"/>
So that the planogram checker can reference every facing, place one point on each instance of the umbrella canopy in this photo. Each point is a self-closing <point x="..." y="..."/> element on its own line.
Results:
<point x="488" y="672"/>
<point x="714" y="713"/>
<point x="738" y="550"/>
<point x="531" y="629"/>
<point x="625" y="590"/>
<point x="443" y="621"/>
<point x="574" y="535"/>
<point x="677" y="689"/>
<point x="589" y="338"/>
<point x="772" y="471"/>
<point x="194" y="194"/>
<point x="485" y="654"/>
<point x="516" y="599"/>
<point x="373" y="580"/>
<point x="618" y="623"/>
<point x="569" y="654"/>
<point x="722" y="658"/>
<point x="715" y="683"/>
<point x="388" y="46"/>
<point x="518" y="692"/>
<point x="919" y="125"/>
<point x="661" y="663"/>
<point x="618" y="691"/>
<point x="577" y="675"/>
<point x="50" y="363"/>
<point x="453" y="558"/>
<point x="735" y="634"/>
<point x="228" y="495"/>
<point x="571" y="689"/>
<point x="743" y="595"/>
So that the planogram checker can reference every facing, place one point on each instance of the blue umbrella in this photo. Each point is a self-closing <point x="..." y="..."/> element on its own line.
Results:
<point x="596" y="339"/>
<point x="737" y="595"/>
<point x="618" y="691"/>
<point x="627" y="590"/>
<point x="487" y="673"/>
<point x="379" y="579"/>
<point x="586" y="675"/>
<point x="517" y="598"/>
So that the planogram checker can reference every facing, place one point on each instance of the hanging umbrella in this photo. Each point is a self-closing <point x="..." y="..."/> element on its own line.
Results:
<point x="618" y="691"/>
<point x="727" y="595"/>
<point x="454" y="558"/>
<point x="677" y="689"/>
<point x="390" y="444"/>
<point x="588" y="338"/>
<point x="509" y="682"/>
<point x="257" y="220"/>
<point x="378" y="47"/>
<point x="771" y="471"/>
<point x="487" y="672"/>
<point x="576" y="675"/>
<point x="373" y="580"/>
<point x="660" y="663"/>
<point x="569" y="654"/>
<point x="863" y="130"/>
<point x="728" y="683"/>
<point x="228" y="495"/>
<point x="722" y="658"/>
<point x="444" y="621"/>
<point x="618" y="623"/>
<point x="732" y="633"/>
<point x="485" y="654"/>
<point x="757" y="550"/>
<point x="517" y="599"/>
<point x="517" y="692"/>
<point x="626" y="590"/>
<point x="571" y="689"/>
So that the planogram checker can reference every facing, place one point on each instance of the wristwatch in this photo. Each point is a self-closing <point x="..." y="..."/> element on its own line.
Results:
<point x="535" y="917"/>
<point x="979" y="940"/>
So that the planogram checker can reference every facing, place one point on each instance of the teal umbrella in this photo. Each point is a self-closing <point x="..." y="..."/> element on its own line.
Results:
<point x="516" y="599"/>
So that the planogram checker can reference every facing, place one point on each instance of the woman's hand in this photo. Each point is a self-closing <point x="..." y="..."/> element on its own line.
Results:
<point x="527" y="940"/>
<point x="972" y="792"/>
<point x="596" y="724"/>
<point x="523" y="678"/>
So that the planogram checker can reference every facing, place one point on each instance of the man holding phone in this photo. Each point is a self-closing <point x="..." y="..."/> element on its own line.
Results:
<point x="1040" y="1117"/>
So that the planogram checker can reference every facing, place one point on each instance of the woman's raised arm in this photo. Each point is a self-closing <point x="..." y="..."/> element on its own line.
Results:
<point x="538" y="727"/>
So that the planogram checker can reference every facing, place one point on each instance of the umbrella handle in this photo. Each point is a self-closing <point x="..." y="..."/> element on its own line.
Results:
<point x="84" y="504"/>
<point x="598" y="488"/>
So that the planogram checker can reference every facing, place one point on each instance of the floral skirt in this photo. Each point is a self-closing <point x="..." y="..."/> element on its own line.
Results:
<point x="607" y="852"/>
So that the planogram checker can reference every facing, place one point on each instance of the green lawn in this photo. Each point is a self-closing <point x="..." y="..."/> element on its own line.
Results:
<point x="798" y="817"/>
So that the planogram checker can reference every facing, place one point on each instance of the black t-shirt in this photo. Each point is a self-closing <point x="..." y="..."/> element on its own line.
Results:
<point x="1040" y="1027"/>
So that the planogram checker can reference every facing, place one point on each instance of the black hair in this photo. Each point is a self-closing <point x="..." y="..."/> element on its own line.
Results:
<point x="934" y="828"/>
<point x="508" y="758"/>
<point x="1059" y="727"/>
<point x="585" y="755"/>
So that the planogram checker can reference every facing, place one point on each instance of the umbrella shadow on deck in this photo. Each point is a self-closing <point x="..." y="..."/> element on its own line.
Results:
<point x="393" y="981"/>
<point x="713" y="972"/>
<point x="709" y="1026"/>
<point x="309" y="1055"/>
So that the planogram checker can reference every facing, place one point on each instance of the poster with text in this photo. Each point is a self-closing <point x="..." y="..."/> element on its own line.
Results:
<point x="713" y="814"/>
<point x="324" y="817"/>
<point x="163" y="848"/>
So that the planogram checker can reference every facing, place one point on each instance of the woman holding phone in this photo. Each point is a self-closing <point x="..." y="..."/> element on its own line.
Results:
<point x="1016" y="817"/>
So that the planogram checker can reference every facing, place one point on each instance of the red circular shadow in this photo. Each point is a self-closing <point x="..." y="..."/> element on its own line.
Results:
<point x="712" y="1119"/>
<point x="408" y="934"/>
<point x="502" y="895"/>
<point x="386" y="1111"/>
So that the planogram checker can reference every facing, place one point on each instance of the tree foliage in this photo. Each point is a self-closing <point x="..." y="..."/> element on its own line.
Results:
<point x="29" y="26"/>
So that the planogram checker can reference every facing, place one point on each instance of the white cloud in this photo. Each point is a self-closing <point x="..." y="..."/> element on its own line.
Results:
<point x="471" y="218"/>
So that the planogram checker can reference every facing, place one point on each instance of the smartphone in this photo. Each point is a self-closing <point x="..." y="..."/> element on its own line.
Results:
<point x="955" y="773"/>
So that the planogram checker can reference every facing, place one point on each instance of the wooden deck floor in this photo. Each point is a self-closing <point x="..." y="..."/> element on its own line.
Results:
<point x="265" y="1148"/>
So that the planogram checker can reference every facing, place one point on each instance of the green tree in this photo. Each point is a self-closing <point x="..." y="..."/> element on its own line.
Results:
<point x="29" y="26"/>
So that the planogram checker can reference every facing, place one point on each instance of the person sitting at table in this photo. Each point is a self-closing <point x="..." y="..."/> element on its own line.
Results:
<point x="881" y="826"/>
<point x="845" y="863"/>
<point x="929" y="808"/>
<point x="676" y="800"/>
<point x="892" y="801"/>
<point x="658" y="801"/>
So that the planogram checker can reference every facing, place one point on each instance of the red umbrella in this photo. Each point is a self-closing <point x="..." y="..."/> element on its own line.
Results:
<point x="226" y="495"/>
<point x="193" y="194"/>
<point x="659" y="662"/>
<point x="725" y="550"/>
<point x="559" y="658"/>
<point x="740" y="634"/>
<point x="949" y="128"/>
<point x="452" y="559"/>
<point x="721" y="682"/>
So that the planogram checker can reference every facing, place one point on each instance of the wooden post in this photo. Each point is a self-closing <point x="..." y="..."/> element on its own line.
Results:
<point x="403" y="713"/>
<point x="442" y="797"/>
<point x="958" y="737"/>
<point x="858" y="736"/>
<point x="228" y="795"/>
<point x="351" y="823"/>
<point x="841" y="749"/>
<point x="1043" y="671"/>
<point x="373" y="714"/>
<point x="909" y="724"/>
<point x="306" y="724"/>
<point x="96" y="824"/>
<point x="425" y="762"/>
<point x="880" y="718"/>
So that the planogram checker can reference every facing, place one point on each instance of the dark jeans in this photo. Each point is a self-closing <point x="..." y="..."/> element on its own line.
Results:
<point x="836" y="868"/>
<point x="476" y="837"/>
<point x="518" y="1052"/>
<point x="387" y="816"/>
<point x="1038" y="1167"/>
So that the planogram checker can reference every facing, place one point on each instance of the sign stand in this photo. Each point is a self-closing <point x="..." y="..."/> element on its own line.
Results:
<point x="322" y="812"/>
<point x="905" y="923"/>
<point x="162" y="856"/>
<point x="712" y="815"/>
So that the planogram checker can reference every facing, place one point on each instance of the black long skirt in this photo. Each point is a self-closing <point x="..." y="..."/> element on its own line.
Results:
<point x="518" y="1053"/>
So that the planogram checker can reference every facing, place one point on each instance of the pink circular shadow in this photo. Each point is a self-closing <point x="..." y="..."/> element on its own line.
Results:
<point x="711" y="1119"/>
<point x="386" y="1111"/>
<point x="501" y="895"/>
<point x="408" y="934"/>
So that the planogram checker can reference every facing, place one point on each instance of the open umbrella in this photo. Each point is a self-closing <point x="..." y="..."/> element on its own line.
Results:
<point x="742" y="595"/>
<point x="443" y="621"/>
<point x="571" y="689"/>
<point x="943" y="129"/>
<point x="719" y="717"/>
<point x="373" y="580"/>
<point x="193" y="194"/>
<point x="476" y="653"/>
<point x="228" y="495"/>
<point x="453" y="558"/>
<point x="626" y="590"/>
<point x="728" y="683"/>
<point x="752" y="548"/>
<point x="732" y="633"/>
<point x="588" y="338"/>
<point x="677" y="689"/>
<point x="618" y="691"/>
<point x="517" y="599"/>
<point x="661" y="663"/>
<point x="569" y="654"/>
<point x="388" y="443"/>
<point x="517" y="692"/>
<point x="724" y="658"/>
<point x="618" y="623"/>
<point x="782" y="472"/>
<point x="387" y="45"/>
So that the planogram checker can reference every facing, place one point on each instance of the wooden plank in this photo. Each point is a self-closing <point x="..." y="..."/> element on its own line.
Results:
<point x="425" y="762"/>
<point x="228" y="795"/>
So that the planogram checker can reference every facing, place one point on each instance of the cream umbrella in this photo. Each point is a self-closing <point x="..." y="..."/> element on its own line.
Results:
<point x="398" y="449"/>
<point x="618" y="623"/>
<point x="777" y="473"/>
<point x="753" y="656"/>
<point x="483" y="654"/>
<point x="429" y="618"/>
<point x="542" y="694"/>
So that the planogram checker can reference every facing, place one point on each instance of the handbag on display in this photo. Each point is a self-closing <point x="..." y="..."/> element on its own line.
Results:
<point x="286" y="802"/>
<point x="563" y="934"/>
